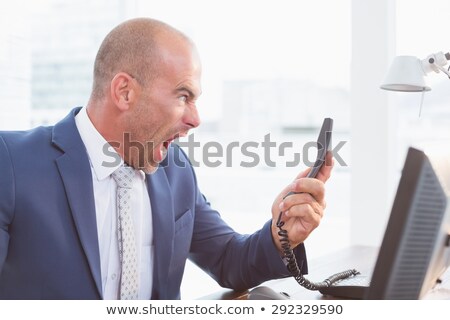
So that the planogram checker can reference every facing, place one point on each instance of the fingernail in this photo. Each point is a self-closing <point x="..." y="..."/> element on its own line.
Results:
<point x="281" y="205"/>
<point x="286" y="213"/>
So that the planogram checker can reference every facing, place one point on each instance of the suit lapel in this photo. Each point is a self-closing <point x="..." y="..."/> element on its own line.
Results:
<point x="163" y="230"/>
<point x="76" y="174"/>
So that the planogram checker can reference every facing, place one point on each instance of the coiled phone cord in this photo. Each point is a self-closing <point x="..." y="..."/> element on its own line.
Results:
<point x="293" y="268"/>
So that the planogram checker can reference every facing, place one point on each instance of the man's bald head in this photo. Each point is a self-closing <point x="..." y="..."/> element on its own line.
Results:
<point x="132" y="47"/>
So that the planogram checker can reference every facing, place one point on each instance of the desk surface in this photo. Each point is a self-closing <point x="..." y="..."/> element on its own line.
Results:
<point x="361" y="258"/>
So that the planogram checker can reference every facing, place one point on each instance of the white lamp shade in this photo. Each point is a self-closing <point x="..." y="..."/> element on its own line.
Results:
<point x="405" y="74"/>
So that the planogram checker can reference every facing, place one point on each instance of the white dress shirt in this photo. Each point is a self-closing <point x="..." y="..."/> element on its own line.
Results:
<point x="106" y="213"/>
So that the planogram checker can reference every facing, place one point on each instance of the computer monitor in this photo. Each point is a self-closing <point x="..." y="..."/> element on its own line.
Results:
<point x="415" y="249"/>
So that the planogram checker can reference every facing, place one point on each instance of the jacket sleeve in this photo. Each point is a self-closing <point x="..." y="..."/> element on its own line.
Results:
<point x="6" y="199"/>
<point x="235" y="260"/>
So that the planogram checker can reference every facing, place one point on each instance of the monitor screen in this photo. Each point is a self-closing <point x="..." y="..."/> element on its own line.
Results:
<point x="415" y="249"/>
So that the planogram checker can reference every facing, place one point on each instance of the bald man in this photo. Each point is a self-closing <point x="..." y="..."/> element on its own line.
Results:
<point x="63" y="217"/>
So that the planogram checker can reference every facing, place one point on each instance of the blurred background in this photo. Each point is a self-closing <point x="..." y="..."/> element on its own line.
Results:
<point x="269" y="67"/>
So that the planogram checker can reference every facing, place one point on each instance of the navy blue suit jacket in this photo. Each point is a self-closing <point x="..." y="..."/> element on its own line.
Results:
<point x="48" y="233"/>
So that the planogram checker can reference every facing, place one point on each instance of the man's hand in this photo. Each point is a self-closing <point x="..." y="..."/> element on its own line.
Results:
<point x="302" y="212"/>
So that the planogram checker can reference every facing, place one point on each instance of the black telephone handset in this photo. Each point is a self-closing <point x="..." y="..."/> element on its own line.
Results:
<point x="323" y="145"/>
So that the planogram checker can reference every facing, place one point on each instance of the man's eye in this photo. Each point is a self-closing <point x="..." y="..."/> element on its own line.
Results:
<point x="183" y="98"/>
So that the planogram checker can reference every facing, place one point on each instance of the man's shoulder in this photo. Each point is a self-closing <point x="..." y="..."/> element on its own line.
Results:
<point x="62" y="130"/>
<point x="19" y="138"/>
<point x="24" y="149"/>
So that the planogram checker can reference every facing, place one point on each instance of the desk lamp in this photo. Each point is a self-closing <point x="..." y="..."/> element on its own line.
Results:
<point x="407" y="73"/>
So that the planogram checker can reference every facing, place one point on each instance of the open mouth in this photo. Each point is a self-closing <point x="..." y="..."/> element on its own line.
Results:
<point x="167" y="143"/>
<point x="165" y="146"/>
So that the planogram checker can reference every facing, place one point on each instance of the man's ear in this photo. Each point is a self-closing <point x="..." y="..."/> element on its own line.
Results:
<point x="124" y="91"/>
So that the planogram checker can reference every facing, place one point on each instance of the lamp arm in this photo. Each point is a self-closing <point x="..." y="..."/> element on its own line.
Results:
<point x="436" y="62"/>
<point x="442" y="69"/>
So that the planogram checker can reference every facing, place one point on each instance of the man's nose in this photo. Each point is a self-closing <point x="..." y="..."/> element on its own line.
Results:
<point x="192" y="117"/>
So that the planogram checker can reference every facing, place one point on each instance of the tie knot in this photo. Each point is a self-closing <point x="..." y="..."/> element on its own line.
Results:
<point x="124" y="177"/>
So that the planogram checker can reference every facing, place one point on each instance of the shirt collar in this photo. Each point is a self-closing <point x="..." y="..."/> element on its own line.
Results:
<point x="103" y="157"/>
